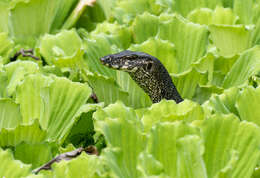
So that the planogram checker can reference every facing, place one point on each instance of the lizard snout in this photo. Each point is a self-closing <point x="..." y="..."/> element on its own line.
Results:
<point x="106" y="60"/>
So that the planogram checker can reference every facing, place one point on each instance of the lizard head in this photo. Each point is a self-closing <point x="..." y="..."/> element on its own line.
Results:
<point x="131" y="61"/>
<point x="147" y="71"/>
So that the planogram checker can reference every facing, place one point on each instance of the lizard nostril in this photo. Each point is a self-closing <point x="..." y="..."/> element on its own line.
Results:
<point x="106" y="59"/>
<point x="102" y="59"/>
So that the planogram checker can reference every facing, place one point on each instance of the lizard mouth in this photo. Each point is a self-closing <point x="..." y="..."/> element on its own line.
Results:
<point x="112" y="63"/>
<point x="109" y="63"/>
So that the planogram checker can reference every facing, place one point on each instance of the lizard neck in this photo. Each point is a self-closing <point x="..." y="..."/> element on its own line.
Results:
<point x="158" y="86"/>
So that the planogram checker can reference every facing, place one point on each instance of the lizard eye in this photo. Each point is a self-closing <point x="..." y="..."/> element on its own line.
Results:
<point x="149" y="66"/>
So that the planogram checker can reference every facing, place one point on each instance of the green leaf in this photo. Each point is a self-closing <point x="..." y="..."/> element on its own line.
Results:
<point x="31" y="18"/>
<point x="49" y="70"/>
<point x="30" y="133"/>
<point x="68" y="148"/>
<point x="10" y="115"/>
<point x="204" y="92"/>
<point x="63" y="10"/>
<point x="189" y="157"/>
<point x="54" y="101"/>
<point x="84" y="166"/>
<point x="148" y="166"/>
<point x="186" y="83"/>
<point x="185" y="6"/>
<point x="206" y="66"/>
<point x="76" y="13"/>
<point x="228" y="3"/>
<point x="224" y="16"/>
<point x="107" y="7"/>
<point x="207" y="16"/>
<point x="246" y="66"/>
<point x="224" y="103"/>
<point x="6" y="46"/>
<point x="35" y="154"/>
<point x="224" y="136"/>
<point x="29" y="96"/>
<point x="42" y="17"/>
<point x="14" y="73"/>
<point x="227" y="170"/>
<point x="1" y="61"/>
<point x="189" y="39"/>
<point x="137" y="98"/>
<point x="230" y="40"/>
<point x="145" y="26"/>
<point x="255" y="35"/>
<point x="116" y="111"/>
<point x="201" y="16"/>
<point x="164" y="50"/>
<point x="64" y="49"/>
<point x="169" y="111"/>
<point x="125" y="141"/>
<point x="11" y="167"/>
<point x="97" y="48"/>
<point x="4" y="16"/>
<point x="224" y="64"/>
<point x="114" y="33"/>
<point x="104" y="40"/>
<point x="62" y="100"/>
<point x="256" y="173"/>
<point x="83" y="130"/>
<point x="248" y="104"/>
<point x="241" y="8"/>
<point x="3" y="81"/>
<point x="94" y="15"/>
<point x="125" y="11"/>
<point x="168" y="154"/>
<point x="106" y="89"/>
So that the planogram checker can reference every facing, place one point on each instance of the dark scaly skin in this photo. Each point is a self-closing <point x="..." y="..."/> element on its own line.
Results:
<point x="147" y="71"/>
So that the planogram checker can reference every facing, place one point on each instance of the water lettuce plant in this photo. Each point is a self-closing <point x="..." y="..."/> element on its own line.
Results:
<point x="211" y="48"/>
